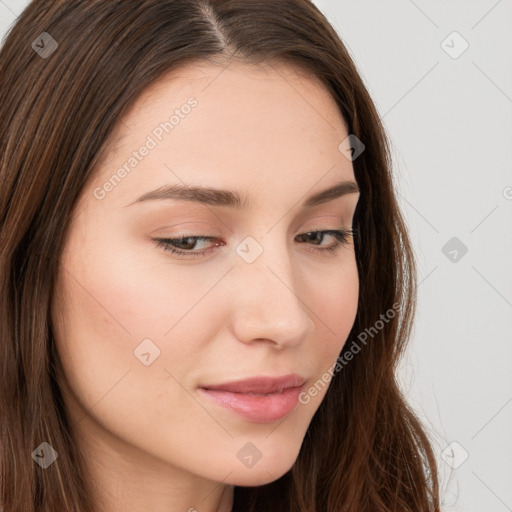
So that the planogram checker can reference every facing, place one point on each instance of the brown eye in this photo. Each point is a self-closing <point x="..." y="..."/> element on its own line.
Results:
<point x="342" y="237"/>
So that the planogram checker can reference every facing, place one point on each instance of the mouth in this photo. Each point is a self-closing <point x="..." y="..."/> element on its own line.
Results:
<point x="259" y="399"/>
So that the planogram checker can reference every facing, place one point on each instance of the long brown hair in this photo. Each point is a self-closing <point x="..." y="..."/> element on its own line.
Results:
<point x="365" y="449"/>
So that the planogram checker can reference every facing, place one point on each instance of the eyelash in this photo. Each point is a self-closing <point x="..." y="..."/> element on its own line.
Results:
<point x="342" y="239"/>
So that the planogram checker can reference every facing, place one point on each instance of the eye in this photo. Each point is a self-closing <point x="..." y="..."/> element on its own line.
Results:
<point x="341" y="237"/>
<point x="184" y="246"/>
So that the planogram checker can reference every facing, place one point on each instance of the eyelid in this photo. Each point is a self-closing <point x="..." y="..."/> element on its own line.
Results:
<point x="341" y="235"/>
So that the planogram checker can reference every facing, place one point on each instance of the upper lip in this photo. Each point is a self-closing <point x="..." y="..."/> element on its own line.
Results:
<point x="261" y="384"/>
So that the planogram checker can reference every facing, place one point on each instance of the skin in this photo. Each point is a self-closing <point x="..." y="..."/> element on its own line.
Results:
<point x="152" y="441"/>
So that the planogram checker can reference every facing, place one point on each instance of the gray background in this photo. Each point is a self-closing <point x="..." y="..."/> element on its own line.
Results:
<point x="448" y="114"/>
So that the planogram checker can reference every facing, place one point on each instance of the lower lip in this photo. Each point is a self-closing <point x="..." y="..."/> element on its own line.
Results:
<point x="257" y="408"/>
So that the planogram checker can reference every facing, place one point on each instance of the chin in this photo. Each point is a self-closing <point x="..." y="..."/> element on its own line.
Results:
<point x="248" y="479"/>
<point x="260" y="474"/>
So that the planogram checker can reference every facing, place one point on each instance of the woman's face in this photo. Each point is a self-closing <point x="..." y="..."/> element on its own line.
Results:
<point x="141" y="330"/>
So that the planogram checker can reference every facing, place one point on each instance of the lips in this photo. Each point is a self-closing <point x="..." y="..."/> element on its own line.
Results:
<point x="259" y="399"/>
<point x="260" y="385"/>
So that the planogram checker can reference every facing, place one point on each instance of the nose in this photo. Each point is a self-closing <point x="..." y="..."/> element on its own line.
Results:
<point x="269" y="305"/>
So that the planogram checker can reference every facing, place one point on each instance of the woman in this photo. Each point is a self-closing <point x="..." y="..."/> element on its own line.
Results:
<point x="206" y="280"/>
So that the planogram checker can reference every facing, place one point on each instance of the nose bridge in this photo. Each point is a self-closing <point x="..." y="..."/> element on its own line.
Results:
<point x="268" y="304"/>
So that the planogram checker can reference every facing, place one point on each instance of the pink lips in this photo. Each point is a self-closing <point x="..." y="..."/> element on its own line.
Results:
<point x="259" y="399"/>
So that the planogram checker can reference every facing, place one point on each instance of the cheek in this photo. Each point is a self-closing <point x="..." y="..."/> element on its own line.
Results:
<point x="92" y="324"/>
<point x="335" y="306"/>
<point x="334" y="302"/>
<point x="106" y="303"/>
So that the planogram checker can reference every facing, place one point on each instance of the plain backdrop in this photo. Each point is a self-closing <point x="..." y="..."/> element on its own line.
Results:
<point x="440" y="74"/>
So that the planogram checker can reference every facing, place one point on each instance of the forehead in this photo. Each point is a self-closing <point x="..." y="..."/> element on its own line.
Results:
<point x="236" y="126"/>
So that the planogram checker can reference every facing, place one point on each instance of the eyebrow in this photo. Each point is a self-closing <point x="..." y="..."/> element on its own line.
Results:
<point x="232" y="199"/>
